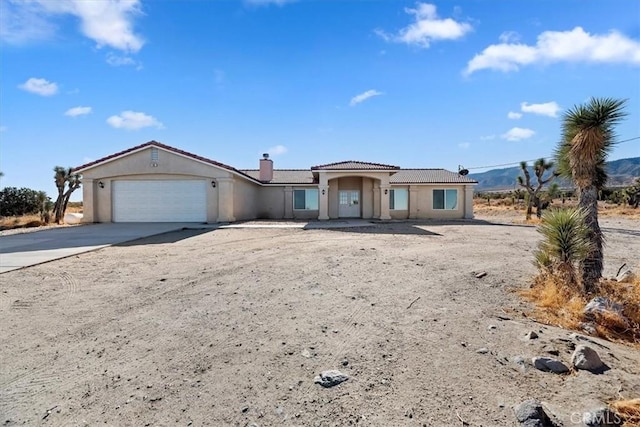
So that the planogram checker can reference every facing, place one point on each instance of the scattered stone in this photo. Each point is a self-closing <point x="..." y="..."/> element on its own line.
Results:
<point x="530" y="413"/>
<point x="531" y="335"/>
<point x="482" y="350"/>
<point x="584" y="357"/>
<point x="520" y="362"/>
<point x="481" y="275"/>
<point x="625" y="276"/>
<point x="588" y="328"/>
<point x="601" y="417"/>
<point x="579" y="337"/>
<point x="245" y="409"/>
<point x="602" y="305"/>
<point x="345" y="362"/>
<point x="492" y="327"/>
<point x="330" y="378"/>
<point x="547" y="364"/>
<point x="306" y="353"/>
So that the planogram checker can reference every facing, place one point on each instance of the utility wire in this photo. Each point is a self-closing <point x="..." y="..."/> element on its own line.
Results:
<point x="533" y="160"/>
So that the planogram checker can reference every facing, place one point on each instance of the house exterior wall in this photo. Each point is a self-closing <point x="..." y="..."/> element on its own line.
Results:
<point x="272" y="203"/>
<point x="246" y="202"/>
<point x="235" y="197"/>
<point x="97" y="202"/>
<point x="424" y="203"/>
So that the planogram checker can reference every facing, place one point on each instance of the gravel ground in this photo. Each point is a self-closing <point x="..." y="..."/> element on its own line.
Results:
<point x="229" y="327"/>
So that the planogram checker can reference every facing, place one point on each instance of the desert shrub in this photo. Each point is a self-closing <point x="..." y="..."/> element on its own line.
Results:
<point x="556" y="290"/>
<point x="628" y="410"/>
<point x="18" y="201"/>
<point x="564" y="244"/>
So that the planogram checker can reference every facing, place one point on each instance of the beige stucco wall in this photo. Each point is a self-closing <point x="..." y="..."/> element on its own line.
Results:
<point x="237" y="198"/>
<point x="97" y="202"/>
<point x="271" y="203"/>
<point x="424" y="203"/>
<point x="246" y="202"/>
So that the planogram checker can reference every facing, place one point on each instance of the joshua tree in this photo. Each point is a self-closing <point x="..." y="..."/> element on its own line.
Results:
<point x="587" y="137"/>
<point x="44" y="207"/>
<point x="565" y="243"/>
<point x="63" y="177"/>
<point x="540" y="166"/>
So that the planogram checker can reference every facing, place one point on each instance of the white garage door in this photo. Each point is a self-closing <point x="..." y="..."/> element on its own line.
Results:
<point x="159" y="201"/>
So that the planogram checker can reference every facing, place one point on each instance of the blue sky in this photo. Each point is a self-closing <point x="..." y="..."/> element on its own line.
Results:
<point x="436" y="84"/>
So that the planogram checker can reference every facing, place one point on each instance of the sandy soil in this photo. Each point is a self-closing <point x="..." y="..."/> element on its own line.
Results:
<point x="229" y="327"/>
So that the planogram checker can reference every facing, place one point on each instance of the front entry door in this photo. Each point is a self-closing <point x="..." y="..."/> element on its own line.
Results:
<point x="349" y="204"/>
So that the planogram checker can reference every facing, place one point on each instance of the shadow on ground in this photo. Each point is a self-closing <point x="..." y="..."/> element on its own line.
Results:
<point x="169" y="237"/>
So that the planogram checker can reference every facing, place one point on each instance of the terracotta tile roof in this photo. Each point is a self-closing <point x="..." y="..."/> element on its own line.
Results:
<point x="429" y="176"/>
<point x="159" y="145"/>
<point x="354" y="165"/>
<point x="285" y="176"/>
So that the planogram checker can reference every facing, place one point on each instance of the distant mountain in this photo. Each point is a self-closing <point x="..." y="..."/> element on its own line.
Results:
<point x="621" y="172"/>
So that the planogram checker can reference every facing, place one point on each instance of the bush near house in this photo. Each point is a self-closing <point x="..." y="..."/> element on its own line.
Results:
<point x="18" y="201"/>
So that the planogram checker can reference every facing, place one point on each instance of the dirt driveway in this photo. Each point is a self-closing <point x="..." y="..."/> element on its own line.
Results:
<point x="229" y="328"/>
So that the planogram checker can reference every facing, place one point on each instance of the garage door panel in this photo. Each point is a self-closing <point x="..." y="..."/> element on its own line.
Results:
<point x="160" y="201"/>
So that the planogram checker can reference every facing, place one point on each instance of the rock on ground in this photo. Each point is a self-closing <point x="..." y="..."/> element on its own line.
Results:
<point x="584" y="357"/>
<point x="530" y="413"/>
<point x="547" y="364"/>
<point x="330" y="378"/>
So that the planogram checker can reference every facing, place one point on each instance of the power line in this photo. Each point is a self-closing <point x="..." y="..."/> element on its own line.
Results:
<point x="533" y="160"/>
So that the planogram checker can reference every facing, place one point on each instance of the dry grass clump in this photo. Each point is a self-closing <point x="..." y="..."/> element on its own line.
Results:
<point x="563" y="305"/>
<point x="608" y="210"/>
<point x="25" y="221"/>
<point x="628" y="410"/>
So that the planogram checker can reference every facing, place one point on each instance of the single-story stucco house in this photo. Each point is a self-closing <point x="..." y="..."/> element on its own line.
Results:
<point x="154" y="182"/>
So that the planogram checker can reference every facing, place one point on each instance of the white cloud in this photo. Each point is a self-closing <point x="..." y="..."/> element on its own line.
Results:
<point x="122" y="61"/>
<point x="517" y="134"/>
<point x="558" y="46"/>
<point x="487" y="137"/>
<point x="107" y="22"/>
<point x="514" y="116"/>
<point x="77" y="111"/>
<point x="547" y="109"/>
<point x="41" y="87"/>
<point x="364" y="96"/>
<point x="509" y="37"/>
<point x="21" y="23"/>
<point x="133" y="120"/>
<point x="464" y="145"/>
<point x="427" y="27"/>
<point x="277" y="150"/>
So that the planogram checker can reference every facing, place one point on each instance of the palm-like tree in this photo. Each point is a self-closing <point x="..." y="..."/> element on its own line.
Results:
<point x="587" y="137"/>
<point x="540" y="167"/>
<point x="62" y="177"/>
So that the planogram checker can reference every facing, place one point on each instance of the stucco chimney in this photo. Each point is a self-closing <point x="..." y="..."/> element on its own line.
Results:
<point x="266" y="168"/>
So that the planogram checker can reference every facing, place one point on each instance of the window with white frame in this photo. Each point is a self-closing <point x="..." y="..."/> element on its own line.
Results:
<point x="445" y="199"/>
<point x="305" y="200"/>
<point x="399" y="199"/>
